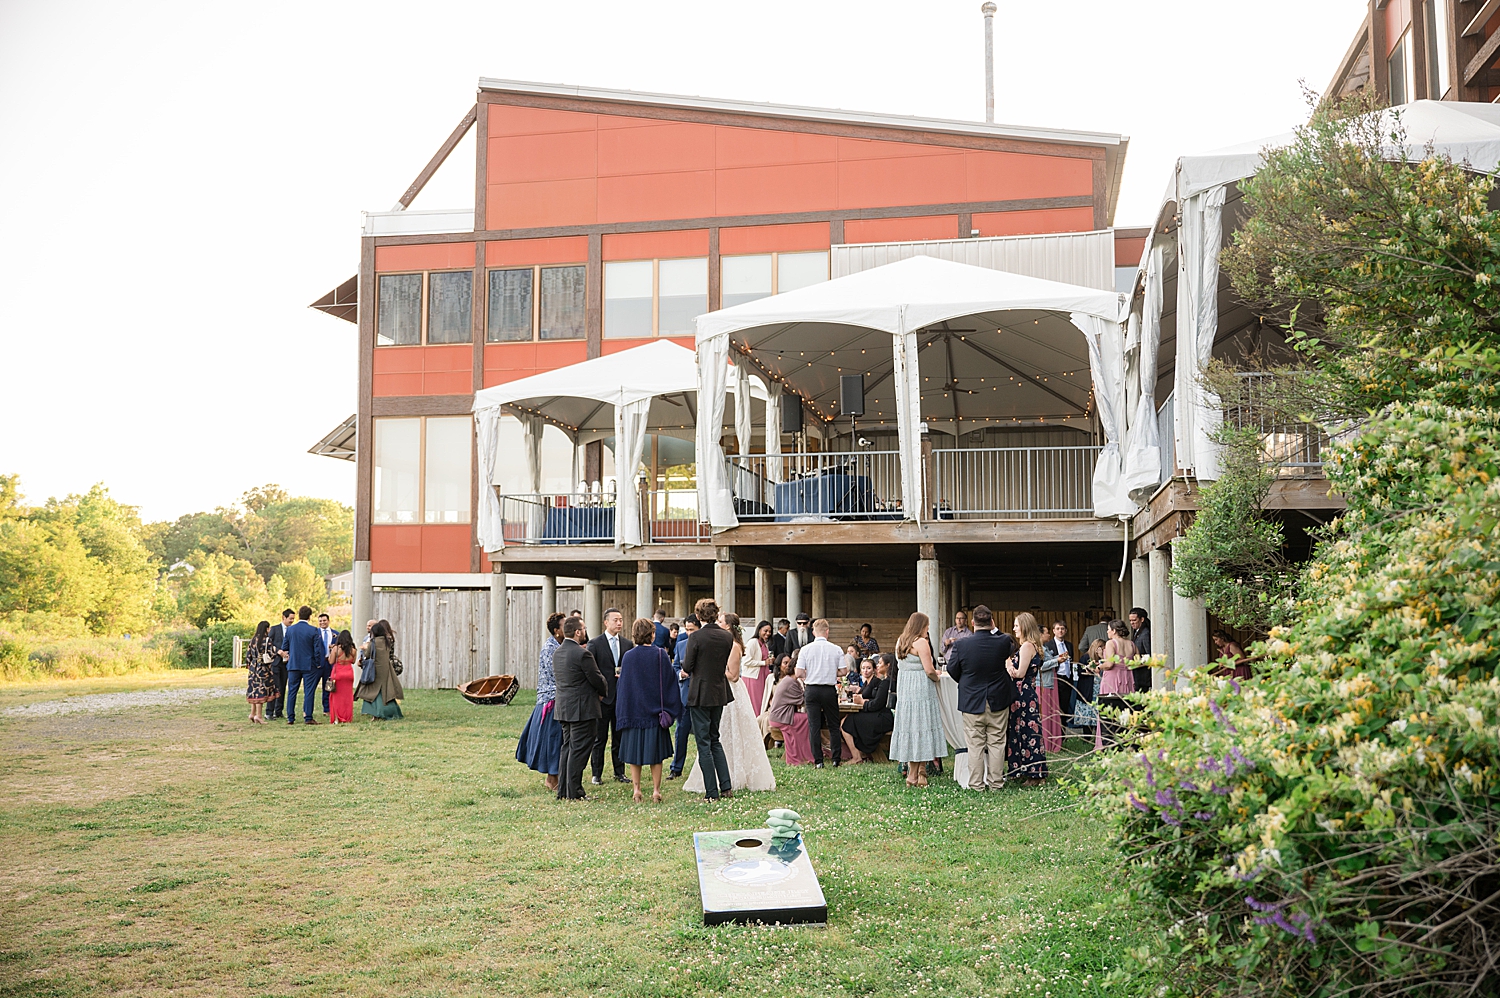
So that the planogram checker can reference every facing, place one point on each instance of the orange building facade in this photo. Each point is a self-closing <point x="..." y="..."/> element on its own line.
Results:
<point x="604" y="219"/>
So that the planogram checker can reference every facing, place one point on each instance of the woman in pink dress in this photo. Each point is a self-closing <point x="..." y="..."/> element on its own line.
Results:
<point x="787" y="715"/>
<point x="756" y="665"/>
<point x="341" y="700"/>
<point x="1115" y="678"/>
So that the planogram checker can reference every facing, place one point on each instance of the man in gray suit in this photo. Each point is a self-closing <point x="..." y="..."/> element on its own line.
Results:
<point x="706" y="660"/>
<point x="580" y="687"/>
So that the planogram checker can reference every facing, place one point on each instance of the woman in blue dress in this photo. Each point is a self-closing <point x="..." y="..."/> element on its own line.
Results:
<point x="1025" y="757"/>
<point x="541" y="739"/>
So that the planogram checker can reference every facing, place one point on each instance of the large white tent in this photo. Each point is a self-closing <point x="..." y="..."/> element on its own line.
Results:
<point x="1462" y="132"/>
<point x="784" y="336"/>
<point x="649" y="387"/>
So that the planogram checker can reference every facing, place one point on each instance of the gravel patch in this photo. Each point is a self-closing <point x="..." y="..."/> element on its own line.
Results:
<point x="96" y="703"/>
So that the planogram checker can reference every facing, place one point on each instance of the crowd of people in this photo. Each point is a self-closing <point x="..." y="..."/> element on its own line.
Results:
<point x="1012" y="700"/>
<point x="295" y="655"/>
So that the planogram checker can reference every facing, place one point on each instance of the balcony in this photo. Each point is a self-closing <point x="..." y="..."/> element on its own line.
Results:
<point x="1292" y="449"/>
<point x="1014" y="483"/>
<point x="815" y="488"/>
<point x="670" y="517"/>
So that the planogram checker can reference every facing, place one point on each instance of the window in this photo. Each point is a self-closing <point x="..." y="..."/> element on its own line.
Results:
<point x="798" y="270"/>
<point x="627" y="298"/>
<point x="510" y="306"/>
<point x="562" y="302"/>
<point x="1400" y="65"/>
<point x="400" y="317"/>
<point x="398" y="464"/>
<point x="682" y="295"/>
<point x="448" y="318"/>
<point x="557" y="460"/>
<point x="1436" y="12"/>
<point x="514" y="313"/>
<point x="746" y="278"/>
<point x="450" y="308"/>
<point x="422" y="469"/>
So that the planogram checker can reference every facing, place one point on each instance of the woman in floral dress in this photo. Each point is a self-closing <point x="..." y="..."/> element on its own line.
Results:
<point x="1024" y="755"/>
<point x="541" y="740"/>
<point x="260" y="689"/>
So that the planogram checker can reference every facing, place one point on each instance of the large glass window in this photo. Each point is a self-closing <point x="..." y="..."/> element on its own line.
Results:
<point x="746" y="278"/>
<point x="798" y="270"/>
<point x="682" y="291"/>
<point x="399" y="321"/>
<point x="510" y="306"/>
<point x="450" y="310"/>
<point x="398" y="464"/>
<point x="1400" y="65"/>
<point x="1437" y="48"/>
<point x="627" y="298"/>
<point x="445" y="475"/>
<point x="562" y="302"/>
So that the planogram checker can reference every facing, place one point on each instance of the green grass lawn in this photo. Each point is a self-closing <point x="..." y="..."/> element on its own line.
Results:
<point x="180" y="850"/>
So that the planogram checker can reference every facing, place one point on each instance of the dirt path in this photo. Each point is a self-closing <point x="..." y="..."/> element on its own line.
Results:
<point x="99" y="702"/>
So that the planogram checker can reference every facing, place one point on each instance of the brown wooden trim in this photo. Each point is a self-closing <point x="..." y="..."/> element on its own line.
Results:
<point x="593" y="298"/>
<point x="933" y="532"/>
<point x="837" y="216"/>
<point x="1418" y="31"/>
<point x="1464" y="47"/>
<point x="965" y="224"/>
<point x="836" y="231"/>
<point x="422" y="405"/>
<point x="715" y="278"/>
<point x="1482" y="58"/>
<point x="481" y="173"/>
<point x="438" y="157"/>
<point x="479" y="303"/>
<point x="1101" y="195"/>
<point x="1380" y="67"/>
<point x="364" y="453"/>
<point x="476" y="550"/>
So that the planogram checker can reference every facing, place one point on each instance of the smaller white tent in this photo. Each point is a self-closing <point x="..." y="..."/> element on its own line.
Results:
<point x="629" y="392"/>
<point x="900" y="299"/>
<point x="1462" y="132"/>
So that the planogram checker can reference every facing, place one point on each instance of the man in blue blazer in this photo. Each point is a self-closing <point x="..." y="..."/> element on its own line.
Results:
<point x="985" y="693"/>
<point x="304" y="665"/>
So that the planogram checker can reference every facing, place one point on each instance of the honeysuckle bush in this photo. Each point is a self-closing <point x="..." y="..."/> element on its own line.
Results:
<point x="1331" y="827"/>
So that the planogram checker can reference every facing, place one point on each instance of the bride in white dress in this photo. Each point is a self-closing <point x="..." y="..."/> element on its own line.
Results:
<point x="739" y="732"/>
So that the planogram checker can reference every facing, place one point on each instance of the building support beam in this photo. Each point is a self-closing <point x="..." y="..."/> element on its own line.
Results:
<point x="1140" y="585"/>
<point x="549" y="596"/>
<point x="645" y="590"/>
<point x="363" y="598"/>
<point x="819" y="597"/>
<point x="1189" y="634"/>
<point x="499" y="622"/>
<point x="724" y="583"/>
<point x="929" y="585"/>
<point x="793" y="596"/>
<point x="763" y="594"/>
<point x="1159" y="563"/>
<point x="593" y="607"/>
<point x="680" y="605"/>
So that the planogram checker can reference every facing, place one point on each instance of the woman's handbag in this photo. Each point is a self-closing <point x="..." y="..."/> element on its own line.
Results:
<point x="395" y="664"/>
<point x="662" y="717"/>
<point x="367" y="672"/>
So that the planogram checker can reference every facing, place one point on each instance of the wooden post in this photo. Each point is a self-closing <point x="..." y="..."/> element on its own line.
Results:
<point x="724" y="580"/>
<point x="680" y="605"/>
<point x="929" y="589"/>
<point x="819" y="597"/>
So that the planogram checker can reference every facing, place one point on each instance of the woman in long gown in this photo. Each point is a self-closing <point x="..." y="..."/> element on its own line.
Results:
<point x="260" y="685"/>
<point x="341" y="700"/>
<point x="380" y="697"/>
<point x="541" y="740"/>
<point x="787" y="716"/>
<point x="1025" y="758"/>
<point x="1116" y="679"/>
<point x="739" y="733"/>
<point x="863" y="730"/>
<point x="647" y="688"/>
<point x="1051" y="708"/>
<point x="917" y="736"/>
<point x="756" y="664"/>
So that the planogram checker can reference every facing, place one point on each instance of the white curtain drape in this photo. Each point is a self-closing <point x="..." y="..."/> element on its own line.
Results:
<point x="491" y="519"/>
<point x="1106" y="345"/>
<point x="743" y="480"/>
<point x="1197" y="417"/>
<point x="532" y="428"/>
<point x="773" y="431"/>
<point x="715" y="503"/>
<point x="1143" y="458"/>
<point x="908" y="382"/>
<point x="630" y="448"/>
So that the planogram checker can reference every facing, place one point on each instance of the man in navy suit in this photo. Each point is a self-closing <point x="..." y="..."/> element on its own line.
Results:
<point x="328" y="636"/>
<point x="276" y="708"/>
<point x="663" y="637"/>
<point x="985" y="693"/>
<point x="304" y="664"/>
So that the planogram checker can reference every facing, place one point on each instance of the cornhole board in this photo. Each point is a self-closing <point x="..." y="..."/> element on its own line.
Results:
<point x="746" y="876"/>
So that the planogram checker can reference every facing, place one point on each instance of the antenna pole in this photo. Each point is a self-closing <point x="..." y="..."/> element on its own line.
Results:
<point x="988" y="10"/>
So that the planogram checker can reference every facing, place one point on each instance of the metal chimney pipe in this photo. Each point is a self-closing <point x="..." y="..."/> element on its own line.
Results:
<point x="988" y="10"/>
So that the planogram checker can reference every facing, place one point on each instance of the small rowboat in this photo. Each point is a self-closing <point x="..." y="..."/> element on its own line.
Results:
<point x="490" y="690"/>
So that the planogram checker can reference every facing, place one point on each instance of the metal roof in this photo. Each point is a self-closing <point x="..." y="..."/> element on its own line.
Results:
<point x="1062" y="135"/>
<point x="338" y="442"/>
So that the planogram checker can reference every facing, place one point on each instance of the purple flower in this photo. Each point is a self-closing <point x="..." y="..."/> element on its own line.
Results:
<point x="1234" y="684"/>
<point x="1210" y="764"/>
<point x="1262" y="905"/>
<point x="1239" y="757"/>
<point x="1139" y="804"/>
<point x="1189" y="786"/>
<point x="1150" y="774"/>
<point x="1166" y="798"/>
<point x="1168" y="819"/>
<point x="1221" y="791"/>
<point x="1213" y="705"/>
<point x="1203" y="815"/>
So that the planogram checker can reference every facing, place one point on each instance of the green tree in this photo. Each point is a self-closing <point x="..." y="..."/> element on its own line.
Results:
<point x="214" y="584"/>
<point x="303" y="585"/>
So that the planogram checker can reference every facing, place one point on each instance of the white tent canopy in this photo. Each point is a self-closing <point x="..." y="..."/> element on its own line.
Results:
<point x="629" y="393"/>
<point x="1462" y="132"/>
<point x="897" y="301"/>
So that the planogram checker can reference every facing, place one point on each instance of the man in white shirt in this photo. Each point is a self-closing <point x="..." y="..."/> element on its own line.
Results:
<point x="818" y="666"/>
<point x="328" y="634"/>
<point x="607" y="649"/>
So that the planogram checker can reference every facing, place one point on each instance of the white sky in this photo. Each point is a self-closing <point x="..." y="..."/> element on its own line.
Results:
<point x="181" y="179"/>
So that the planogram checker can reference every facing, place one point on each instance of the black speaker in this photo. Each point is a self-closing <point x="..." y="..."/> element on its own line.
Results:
<point x="852" y="395"/>
<point x="791" y="414"/>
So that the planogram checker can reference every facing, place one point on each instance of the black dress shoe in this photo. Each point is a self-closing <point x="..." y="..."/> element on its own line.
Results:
<point x="597" y="782"/>
<point x="673" y="775"/>
<point x="836" y="764"/>
<point x="622" y="778"/>
<point x="817" y="765"/>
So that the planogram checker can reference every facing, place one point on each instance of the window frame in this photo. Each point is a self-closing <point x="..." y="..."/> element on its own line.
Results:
<point x="536" y="303"/>
<point x="775" y="256"/>
<point x="426" y="305"/>
<point x="421" y="510"/>
<point x="655" y="262"/>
